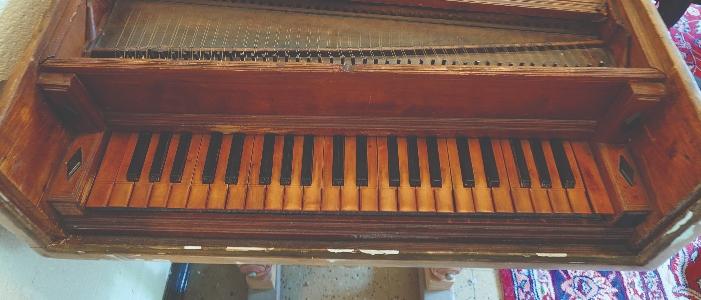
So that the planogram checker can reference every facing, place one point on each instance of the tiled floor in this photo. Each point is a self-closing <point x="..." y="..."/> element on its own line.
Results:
<point x="302" y="282"/>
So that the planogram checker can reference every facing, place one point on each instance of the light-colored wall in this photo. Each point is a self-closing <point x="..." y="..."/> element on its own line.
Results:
<point x="24" y="274"/>
<point x="18" y="20"/>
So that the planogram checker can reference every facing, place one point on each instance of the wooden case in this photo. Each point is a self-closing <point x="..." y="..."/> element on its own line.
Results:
<point x="61" y="106"/>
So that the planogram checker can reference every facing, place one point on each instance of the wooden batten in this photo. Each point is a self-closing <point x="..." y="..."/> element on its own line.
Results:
<point x="71" y="182"/>
<point x="396" y="99"/>
<point x="636" y="101"/>
<point x="586" y="9"/>
<point x="624" y="184"/>
<point x="69" y="98"/>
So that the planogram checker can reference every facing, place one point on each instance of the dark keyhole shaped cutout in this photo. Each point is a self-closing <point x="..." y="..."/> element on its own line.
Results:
<point x="74" y="163"/>
<point x="626" y="170"/>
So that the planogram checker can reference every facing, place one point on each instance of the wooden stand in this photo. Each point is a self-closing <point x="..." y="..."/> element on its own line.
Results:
<point x="263" y="281"/>
<point x="437" y="283"/>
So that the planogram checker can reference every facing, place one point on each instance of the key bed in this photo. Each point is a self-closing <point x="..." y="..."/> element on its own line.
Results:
<point x="351" y="173"/>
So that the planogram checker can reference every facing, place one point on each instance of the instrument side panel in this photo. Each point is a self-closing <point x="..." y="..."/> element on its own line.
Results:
<point x="667" y="148"/>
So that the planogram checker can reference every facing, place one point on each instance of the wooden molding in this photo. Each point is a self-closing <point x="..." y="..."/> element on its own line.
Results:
<point x="636" y="100"/>
<point x="367" y="226"/>
<point x="320" y="125"/>
<point x="69" y="98"/>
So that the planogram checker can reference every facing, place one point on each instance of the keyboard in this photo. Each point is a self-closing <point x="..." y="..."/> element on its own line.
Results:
<point x="239" y="171"/>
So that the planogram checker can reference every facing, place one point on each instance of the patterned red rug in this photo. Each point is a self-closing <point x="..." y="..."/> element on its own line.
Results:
<point x="678" y="278"/>
<point x="686" y="34"/>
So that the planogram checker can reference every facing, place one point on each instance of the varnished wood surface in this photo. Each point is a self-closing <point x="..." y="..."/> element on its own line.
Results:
<point x="661" y="144"/>
<point x="330" y="95"/>
<point x="560" y="8"/>
<point x="425" y="227"/>
<point x="329" y="125"/>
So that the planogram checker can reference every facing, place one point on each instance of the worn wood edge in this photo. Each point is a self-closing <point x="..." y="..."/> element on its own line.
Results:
<point x="572" y="129"/>
<point x="343" y="253"/>
<point x="683" y="227"/>
<point x="24" y="225"/>
<point x="96" y="66"/>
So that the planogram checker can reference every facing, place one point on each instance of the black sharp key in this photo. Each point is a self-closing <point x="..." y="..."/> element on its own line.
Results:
<point x="307" y="160"/>
<point x="361" y="161"/>
<point x="234" y="164"/>
<point x="286" y="168"/>
<point x="540" y="164"/>
<point x="468" y="176"/>
<point x="137" y="159"/>
<point x="521" y="168"/>
<point x="266" y="163"/>
<point x="210" y="163"/>
<point x="393" y="161"/>
<point x="338" y="160"/>
<point x="413" y="159"/>
<point x="490" y="164"/>
<point x="434" y="162"/>
<point x="562" y="164"/>
<point x="176" y="174"/>
<point x="159" y="158"/>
